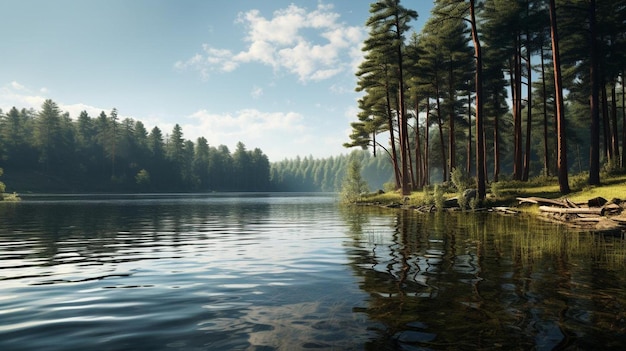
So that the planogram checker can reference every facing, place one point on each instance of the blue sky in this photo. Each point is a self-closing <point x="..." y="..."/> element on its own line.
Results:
<point x="277" y="75"/>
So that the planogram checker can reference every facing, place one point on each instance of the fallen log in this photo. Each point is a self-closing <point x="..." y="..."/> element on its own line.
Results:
<point x="579" y="210"/>
<point x="542" y="201"/>
<point x="505" y="210"/>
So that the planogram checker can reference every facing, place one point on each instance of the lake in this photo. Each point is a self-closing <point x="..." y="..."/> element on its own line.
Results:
<point x="298" y="272"/>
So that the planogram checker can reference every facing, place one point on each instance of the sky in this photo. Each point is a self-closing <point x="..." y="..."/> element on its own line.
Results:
<point x="275" y="75"/>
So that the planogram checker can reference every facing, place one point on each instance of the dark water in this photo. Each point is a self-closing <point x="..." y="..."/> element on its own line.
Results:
<point x="298" y="272"/>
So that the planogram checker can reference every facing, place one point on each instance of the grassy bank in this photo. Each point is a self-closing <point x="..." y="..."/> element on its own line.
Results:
<point x="505" y="193"/>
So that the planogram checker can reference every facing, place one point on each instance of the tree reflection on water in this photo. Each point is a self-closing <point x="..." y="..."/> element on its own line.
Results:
<point x="484" y="281"/>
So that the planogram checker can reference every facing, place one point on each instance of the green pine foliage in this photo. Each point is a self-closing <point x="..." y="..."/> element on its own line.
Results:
<point x="477" y="87"/>
<point x="326" y="175"/>
<point x="48" y="150"/>
<point x="353" y="185"/>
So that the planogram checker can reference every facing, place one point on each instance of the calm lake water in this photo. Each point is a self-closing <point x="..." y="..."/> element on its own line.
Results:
<point x="298" y="272"/>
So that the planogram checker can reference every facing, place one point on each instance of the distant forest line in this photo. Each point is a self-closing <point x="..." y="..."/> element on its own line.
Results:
<point x="50" y="151"/>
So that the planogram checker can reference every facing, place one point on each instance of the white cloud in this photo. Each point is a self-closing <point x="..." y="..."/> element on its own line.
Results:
<point x="312" y="45"/>
<point x="17" y="86"/>
<point x="258" y="128"/>
<point x="257" y="92"/>
<point x="247" y="123"/>
<point x="18" y="95"/>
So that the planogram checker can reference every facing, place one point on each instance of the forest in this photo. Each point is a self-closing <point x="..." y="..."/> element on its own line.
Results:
<point x="499" y="89"/>
<point x="495" y="88"/>
<point x="48" y="150"/>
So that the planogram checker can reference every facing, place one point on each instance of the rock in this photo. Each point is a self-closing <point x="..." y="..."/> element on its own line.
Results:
<point x="597" y="202"/>
<point x="453" y="202"/>
<point x="469" y="194"/>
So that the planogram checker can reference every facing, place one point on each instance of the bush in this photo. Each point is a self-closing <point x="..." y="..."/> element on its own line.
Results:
<point x="460" y="180"/>
<point x="610" y="168"/>
<point x="389" y="187"/>
<point x="427" y="197"/>
<point x="496" y="188"/>
<point x="439" y="199"/>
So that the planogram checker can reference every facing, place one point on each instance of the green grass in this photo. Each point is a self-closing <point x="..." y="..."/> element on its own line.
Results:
<point x="509" y="191"/>
<point x="613" y="187"/>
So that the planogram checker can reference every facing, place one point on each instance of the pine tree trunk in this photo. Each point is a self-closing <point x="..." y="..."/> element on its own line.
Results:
<point x="546" y="156"/>
<point x="496" y="139"/>
<point x="594" y="152"/>
<point x="623" y="123"/>
<point x="468" y="167"/>
<point x="608" y="150"/>
<point x="560" y="113"/>
<point x="480" y="135"/>
<point x="517" y="111"/>
<point x="444" y="162"/>
<point x="451" y="136"/>
<point x="418" y="147"/>
<point x="427" y="145"/>
<point x="614" y="129"/>
<point x="529" y="114"/>
<point x="403" y="118"/>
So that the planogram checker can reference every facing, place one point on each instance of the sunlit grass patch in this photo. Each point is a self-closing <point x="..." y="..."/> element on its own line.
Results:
<point x="10" y="197"/>
<point x="614" y="187"/>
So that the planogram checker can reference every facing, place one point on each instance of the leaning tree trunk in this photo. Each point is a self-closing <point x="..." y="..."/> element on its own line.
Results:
<point x="392" y="140"/>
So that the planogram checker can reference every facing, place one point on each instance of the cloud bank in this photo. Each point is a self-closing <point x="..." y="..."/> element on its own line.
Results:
<point x="313" y="45"/>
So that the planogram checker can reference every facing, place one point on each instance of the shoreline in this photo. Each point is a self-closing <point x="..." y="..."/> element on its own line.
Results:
<point x="596" y="214"/>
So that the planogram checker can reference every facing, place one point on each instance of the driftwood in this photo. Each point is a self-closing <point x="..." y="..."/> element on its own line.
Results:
<point x="594" y="211"/>
<point x="597" y="215"/>
<point x="543" y="201"/>
<point x="505" y="210"/>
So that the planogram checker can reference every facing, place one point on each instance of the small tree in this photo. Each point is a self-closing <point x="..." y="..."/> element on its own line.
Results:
<point x="2" y="187"/>
<point x="353" y="184"/>
<point x="143" y="178"/>
<point x="7" y="197"/>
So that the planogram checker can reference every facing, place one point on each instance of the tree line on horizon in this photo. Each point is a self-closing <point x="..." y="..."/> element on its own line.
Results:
<point x="530" y="87"/>
<point x="47" y="150"/>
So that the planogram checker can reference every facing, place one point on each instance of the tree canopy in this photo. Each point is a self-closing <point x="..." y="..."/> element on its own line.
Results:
<point x="471" y="84"/>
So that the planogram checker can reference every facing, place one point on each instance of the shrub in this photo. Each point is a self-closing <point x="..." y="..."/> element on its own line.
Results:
<point x="460" y="180"/>
<point x="438" y="197"/>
